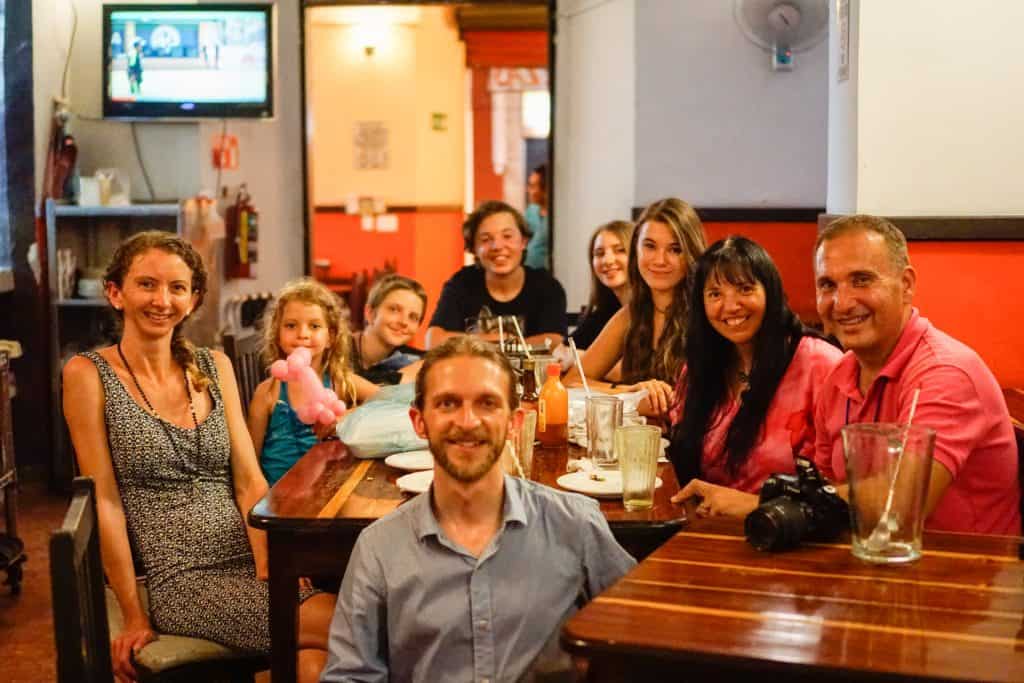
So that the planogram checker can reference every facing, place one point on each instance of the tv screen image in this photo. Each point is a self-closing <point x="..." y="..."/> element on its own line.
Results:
<point x="187" y="61"/>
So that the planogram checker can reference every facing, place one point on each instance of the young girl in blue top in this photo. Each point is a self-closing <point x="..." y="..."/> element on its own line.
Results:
<point x="305" y="314"/>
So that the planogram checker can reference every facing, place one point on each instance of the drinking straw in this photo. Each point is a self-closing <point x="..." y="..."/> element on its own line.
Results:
<point x="515" y="459"/>
<point x="522" y="339"/>
<point x="880" y="534"/>
<point x="579" y="365"/>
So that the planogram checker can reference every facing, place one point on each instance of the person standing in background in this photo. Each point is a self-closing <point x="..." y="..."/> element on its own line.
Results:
<point x="536" y="215"/>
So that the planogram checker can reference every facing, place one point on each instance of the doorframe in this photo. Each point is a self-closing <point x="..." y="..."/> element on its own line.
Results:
<point x="307" y="199"/>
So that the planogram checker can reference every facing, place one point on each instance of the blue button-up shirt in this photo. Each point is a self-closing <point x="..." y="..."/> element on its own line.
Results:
<point x="415" y="606"/>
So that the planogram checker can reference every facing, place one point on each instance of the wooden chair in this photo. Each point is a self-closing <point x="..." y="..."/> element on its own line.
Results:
<point x="12" y="548"/>
<point x="76" y="580"/>
<point x="356" y="300"/>
<point x="1018" y="433"/>
<point x="81" y="607"/>
<point x="244" y="353"/>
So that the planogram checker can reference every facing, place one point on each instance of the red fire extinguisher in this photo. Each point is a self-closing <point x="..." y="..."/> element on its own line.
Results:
<point x="242" y="226"/>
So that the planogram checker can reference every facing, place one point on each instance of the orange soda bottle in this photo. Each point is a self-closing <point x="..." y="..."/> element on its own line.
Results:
<point x="553" y="410"/>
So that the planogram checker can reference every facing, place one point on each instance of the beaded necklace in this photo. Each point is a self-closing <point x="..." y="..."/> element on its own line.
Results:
<point x="163" y="424"/>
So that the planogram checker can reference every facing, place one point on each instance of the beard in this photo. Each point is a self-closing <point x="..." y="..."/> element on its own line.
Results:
<point x="472" y="471"/>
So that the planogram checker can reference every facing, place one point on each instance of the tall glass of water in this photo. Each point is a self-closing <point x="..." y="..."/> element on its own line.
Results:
<point x="637" y="447"/>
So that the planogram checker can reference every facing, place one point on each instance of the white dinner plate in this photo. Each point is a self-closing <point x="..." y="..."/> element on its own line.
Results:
<point x="610" y="485"/>
<point x="416" y="482"/>
<point x="411" y="461"/>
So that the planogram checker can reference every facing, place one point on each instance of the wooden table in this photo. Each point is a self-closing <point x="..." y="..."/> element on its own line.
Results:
<point x="314" y="513"/>
<point x="707" y="604"/>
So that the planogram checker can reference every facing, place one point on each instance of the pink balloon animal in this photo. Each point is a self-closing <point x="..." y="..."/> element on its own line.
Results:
<point x="310" y="399"/>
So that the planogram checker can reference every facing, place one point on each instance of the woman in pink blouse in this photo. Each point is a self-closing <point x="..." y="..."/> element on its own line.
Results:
<point x="751" y="380"/>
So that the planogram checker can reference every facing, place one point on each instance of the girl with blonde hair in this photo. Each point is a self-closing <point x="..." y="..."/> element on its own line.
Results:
<point x="647" y="337"/>
<point x="305" y="314"/>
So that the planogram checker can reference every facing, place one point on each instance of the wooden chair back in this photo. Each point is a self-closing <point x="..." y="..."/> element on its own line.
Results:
<point x="356" y="300"/>
<point x="80" y="623"/>
<point x="1018" y="432"/>
<point x="245" y="355"/>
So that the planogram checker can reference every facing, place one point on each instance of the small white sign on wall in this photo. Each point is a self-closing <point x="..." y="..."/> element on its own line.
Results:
<point x="370" y="145"/>
<point x="387" y="222"/>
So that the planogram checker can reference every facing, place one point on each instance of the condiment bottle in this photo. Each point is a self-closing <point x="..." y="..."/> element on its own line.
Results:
<point x="553" y="410"/>
<point x="530" y="396"/>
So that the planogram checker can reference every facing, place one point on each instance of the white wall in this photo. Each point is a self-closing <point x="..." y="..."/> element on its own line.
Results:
<point x="177" y="155"/>
<point x="51" y="28"/>
<point x="939" y="104"/>
<point x="842" y="116"/>
<point x="594" y="131"/>
<point x="714" y="124"/>
<point x="417" y="68"/>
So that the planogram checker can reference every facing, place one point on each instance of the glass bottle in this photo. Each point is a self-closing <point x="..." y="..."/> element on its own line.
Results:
<point x="553" y="409"/>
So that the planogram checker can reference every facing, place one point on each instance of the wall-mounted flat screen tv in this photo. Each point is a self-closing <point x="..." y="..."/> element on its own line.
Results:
<point x="188" y="61"/>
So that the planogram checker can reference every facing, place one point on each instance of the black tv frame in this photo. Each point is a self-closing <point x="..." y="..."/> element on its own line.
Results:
<point x="149" y="111"/>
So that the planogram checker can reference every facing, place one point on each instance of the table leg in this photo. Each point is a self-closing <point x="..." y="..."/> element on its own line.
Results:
<point x="284" y="609"/>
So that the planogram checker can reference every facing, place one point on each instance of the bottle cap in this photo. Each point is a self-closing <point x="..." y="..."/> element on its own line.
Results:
<point x="553" y="370"/>
<point x="529" y="364"/>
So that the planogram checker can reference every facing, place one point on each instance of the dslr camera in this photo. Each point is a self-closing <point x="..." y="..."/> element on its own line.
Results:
<point x="794" y="508"/>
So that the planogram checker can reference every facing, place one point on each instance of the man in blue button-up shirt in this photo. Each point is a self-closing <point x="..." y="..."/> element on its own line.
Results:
<point x="470" y="581"/>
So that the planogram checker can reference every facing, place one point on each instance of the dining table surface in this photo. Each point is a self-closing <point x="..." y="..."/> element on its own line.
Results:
<point x="706" y="603"/>
<point x="314" y="513"/>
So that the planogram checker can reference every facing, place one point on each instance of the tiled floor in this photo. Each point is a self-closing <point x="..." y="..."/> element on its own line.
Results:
<point x="27" y="653"/>
<point x="26" y="620"/>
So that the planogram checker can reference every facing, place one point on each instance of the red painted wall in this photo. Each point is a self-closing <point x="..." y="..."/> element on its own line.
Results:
<point x="974" y="292"/>
<point x="427" y="247"/>
<point x="970" y="290"/>
<point x="790" y="246"/>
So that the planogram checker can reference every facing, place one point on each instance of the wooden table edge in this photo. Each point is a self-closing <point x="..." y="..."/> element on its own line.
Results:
<point x="596" y="650"/>
<point x="300" y="524"/>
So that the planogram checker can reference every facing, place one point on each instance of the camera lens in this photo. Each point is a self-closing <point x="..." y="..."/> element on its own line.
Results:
<point x="778" y="524"/>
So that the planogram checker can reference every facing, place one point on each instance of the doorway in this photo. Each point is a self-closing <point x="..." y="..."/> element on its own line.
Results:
<point x="414" y="113"/>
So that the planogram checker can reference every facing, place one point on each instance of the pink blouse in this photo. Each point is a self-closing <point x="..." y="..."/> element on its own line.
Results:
<point x="788" y="428"/>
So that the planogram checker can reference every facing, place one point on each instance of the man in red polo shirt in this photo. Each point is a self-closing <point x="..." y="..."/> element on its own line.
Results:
<point x="865" y="288"/>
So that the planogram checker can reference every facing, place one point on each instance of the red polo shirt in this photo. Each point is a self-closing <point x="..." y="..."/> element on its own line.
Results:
<point x="960" y="399"/>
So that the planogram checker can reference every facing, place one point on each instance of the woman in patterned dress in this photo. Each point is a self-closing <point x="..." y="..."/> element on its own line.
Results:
<point x="158" y="425"/>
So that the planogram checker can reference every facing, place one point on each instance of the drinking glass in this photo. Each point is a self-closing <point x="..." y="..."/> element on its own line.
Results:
<point x="888" y="467"/>
<point x="522" y="440"/>
<point x="637" y="449"/>
<point x="604" y="416"/>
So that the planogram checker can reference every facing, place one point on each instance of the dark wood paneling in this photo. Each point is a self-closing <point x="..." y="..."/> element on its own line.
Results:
<point x="725" y="214"/>
<point x="1015" y="404"/>
<point x="25" y="317"/>
<point x="952" y="228"/>
<point x="502" y="18"/>
<point x="438" y="208"/>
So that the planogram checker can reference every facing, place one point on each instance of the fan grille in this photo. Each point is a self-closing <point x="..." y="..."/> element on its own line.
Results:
<point x="752" y="18"/>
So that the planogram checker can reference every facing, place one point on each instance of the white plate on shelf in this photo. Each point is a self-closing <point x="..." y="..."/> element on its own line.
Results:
<point x="411" y="461"/>
<point x="416" y="482"/>
<point x="609" y="486"/>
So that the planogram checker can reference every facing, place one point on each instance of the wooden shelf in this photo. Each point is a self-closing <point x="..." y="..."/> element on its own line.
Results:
<point x="92" y="233"/>
<point x="130" y="211"/>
